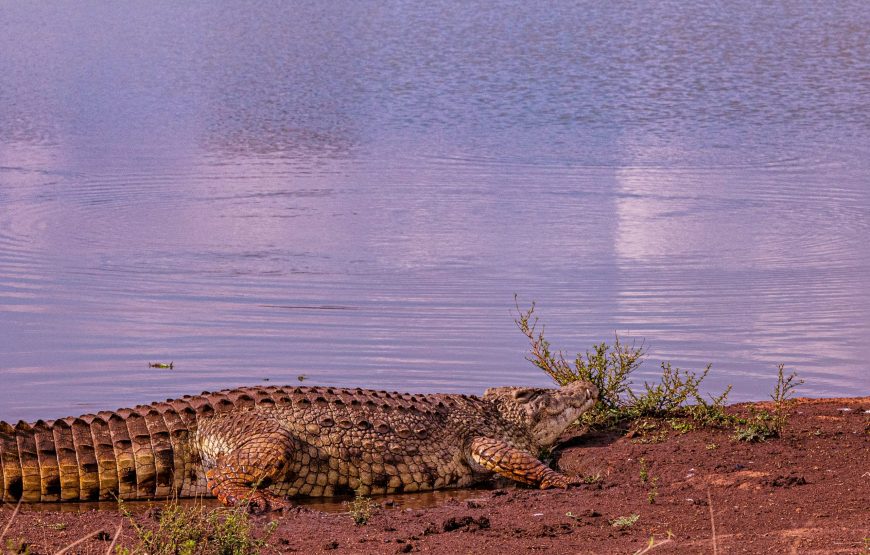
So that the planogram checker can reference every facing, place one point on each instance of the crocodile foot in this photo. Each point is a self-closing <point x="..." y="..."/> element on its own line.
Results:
<point x="557" y="480"/>
<point x="516" y="464"/>
<point x="260" y="502"/>
<point x="255" y="501"/>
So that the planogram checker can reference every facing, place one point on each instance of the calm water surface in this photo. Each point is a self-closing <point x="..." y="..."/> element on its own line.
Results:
<point x="355" y="191"/>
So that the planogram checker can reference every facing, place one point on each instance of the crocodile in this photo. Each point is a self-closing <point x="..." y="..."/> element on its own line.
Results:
<point x="261" y="446"/>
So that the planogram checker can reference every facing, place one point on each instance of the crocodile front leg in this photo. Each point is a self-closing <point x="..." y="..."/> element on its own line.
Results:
<point x="242" y="456"/>
<point x="516" y="464"/>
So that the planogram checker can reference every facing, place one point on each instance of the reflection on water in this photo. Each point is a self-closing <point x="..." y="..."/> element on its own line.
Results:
<point x="355" y="193"/>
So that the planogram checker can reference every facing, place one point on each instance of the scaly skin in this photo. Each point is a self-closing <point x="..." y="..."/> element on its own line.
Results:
<point x="264" y="444"/>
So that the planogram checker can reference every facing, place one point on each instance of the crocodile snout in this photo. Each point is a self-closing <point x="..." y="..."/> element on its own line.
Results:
<point x="579" y="393"/>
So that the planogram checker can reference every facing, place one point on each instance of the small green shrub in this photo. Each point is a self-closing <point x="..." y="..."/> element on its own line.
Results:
<point x="361" y="509"/>
<point x="712" y="413"/>
<point x="762" y="424"/>
<point x="676" y="396"/>
<point x="783" y="398"/>
<point x="675" y="388"/>
<point x="652" y="482"/>
<point x="610" y="368"/>
<point x="681" y="425"/>
<point x="195" y="530"/>
<point x="752" y="433"/>
<point x="759" y="426"/>
<point x="624" y="521"/>
<point x="653" y="491"/>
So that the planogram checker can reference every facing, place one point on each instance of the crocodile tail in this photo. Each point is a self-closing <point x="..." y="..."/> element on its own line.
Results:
<point x="48" y="461"/>
<point x="137" y="453"/>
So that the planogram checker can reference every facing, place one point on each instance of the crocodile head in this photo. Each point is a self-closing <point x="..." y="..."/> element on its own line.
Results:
<point x="545" y="412"/>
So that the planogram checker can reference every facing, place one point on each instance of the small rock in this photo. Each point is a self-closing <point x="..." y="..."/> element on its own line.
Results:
<point x="786" y="481"/>
<point x="469" y="522"/>
<point x="329" y="546"/>
<point x="407" y="548"/>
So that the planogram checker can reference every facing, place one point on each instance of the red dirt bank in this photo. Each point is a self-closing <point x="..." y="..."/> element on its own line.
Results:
<point x="808" y="492"/>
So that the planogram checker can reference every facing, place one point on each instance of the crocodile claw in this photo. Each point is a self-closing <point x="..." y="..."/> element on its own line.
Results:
<point x="561" y="481"/>
<point x="264" y="502"/>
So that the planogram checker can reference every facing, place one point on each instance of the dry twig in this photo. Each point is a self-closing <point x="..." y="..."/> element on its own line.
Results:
<point x="652" y="545"/>
<point x="115" y="539"/>
<point x="11" y="518"/>
<point x="712" y="522"/>
<point x="75" y="543"/>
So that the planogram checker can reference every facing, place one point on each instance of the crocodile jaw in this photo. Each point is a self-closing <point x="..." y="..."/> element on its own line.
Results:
<point x="564" y="406"/>
<point x="546" y="413"/>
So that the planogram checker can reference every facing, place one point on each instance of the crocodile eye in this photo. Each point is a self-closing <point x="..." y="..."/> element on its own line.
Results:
<point x="524" y="395"/>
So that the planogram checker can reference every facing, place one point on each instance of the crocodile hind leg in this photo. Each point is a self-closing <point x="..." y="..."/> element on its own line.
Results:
<point x="235" y="483"/>
<point x="516" y="464"/>
<point x="244" y="456"/>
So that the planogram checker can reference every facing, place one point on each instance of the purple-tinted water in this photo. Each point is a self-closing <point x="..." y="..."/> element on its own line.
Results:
<point x="355" y="191"/>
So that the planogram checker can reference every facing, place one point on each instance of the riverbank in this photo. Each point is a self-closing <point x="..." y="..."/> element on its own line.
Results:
<point x="689" y="491"/>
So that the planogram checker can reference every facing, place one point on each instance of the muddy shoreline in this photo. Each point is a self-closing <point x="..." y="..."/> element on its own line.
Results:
<point x="806" y="492"/>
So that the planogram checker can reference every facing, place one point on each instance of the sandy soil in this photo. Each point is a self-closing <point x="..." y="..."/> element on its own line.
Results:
<point x="698" y="492"/>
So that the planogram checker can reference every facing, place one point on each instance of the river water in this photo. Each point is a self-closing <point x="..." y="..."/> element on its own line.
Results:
<point x="355" y="191"/>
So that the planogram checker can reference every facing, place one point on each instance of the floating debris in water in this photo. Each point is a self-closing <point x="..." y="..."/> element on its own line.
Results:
<point x="170" y="365"/>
